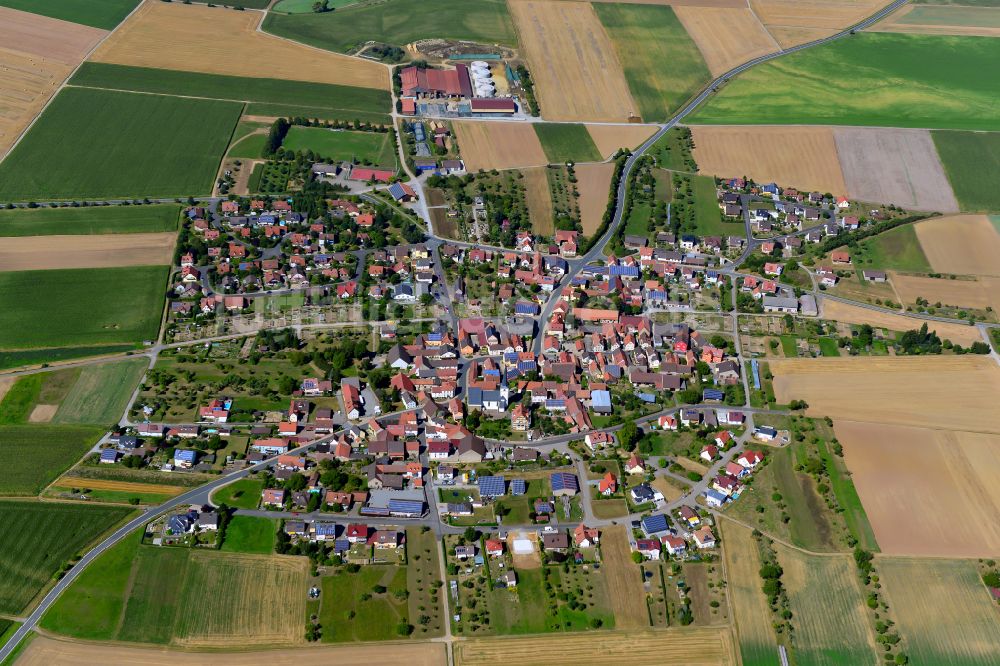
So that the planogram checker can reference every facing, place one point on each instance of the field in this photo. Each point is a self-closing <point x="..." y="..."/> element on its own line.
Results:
<point x="706" y="207"/>
<point x="33" y="455"/>
<point x="594" y="185"/>
<point x="628" y="600"/>
<point x="215" y="41"/>
<point x="38" y="539"/>
<point x="854" y="314"/>
<point x="647" y="37"/>
<point x="771" y="154"/>
<point x="124" y="488"/>
<point x="247" y="534"/>
<point x="87" y="221"/>
<point x="797" y="21"/>
<point x="29" y="253"/>
<point x="903" y="390"/>
<point x="46" y="651"/>
<point x="947" y="20"/>
<point x="498" y="145"/>
<point x="971" y="160"/>
<point x="672" y="647"/>
<point x="831" y="628"/>
<point x="921" y="592"/>
<point x="85" y="315"/>
<point x="399" y="22"/>
<point x="375" y="618"/>
<point x="979" y="293"/>
<point x="726" y="37"/>
<point x="926" y="491"/>
<point x="572" y="60"/>
<point x="566" y="142"/>
<point x="750" y="609"/>
<point x="538" y="199"/>
<point x="897" y="166"/>
<point x="104" y="14"/>
<point x="367" y="147"/>
<point x="610" y="138"/>
<point x="242" y="494"/>
<point x="95" y="143"/>
<point x="963" y="245"/>
<point x="896" y="249"/>
<point x="101" y="393"/>
<point x="38" y="54"/>
<point x="895" y="80"/>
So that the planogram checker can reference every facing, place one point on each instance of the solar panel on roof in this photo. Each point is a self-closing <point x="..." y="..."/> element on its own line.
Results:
<point x="491" y="486"/>
<point x="518" y="487"/>
<point x="415" y="507"/>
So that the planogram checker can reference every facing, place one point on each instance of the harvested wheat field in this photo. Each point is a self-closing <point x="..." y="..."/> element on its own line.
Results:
<point x="609" y="138"/>
<point x="573" y="62"/>
<point x="593" y="181"/>
<point x="628" y="599"/>
<point x="123" y="486"/>
<point x="681" y="3"/>
<point x="726" y="37"/>
<point x="669" y="491"/>
<point x="918" y="482"/>
<point x="897" y="166"/>
<point x="771" y="154"/>
<point x="907" y="390"/>
<point x="45" y="651"/>
<point x="962" y="244"/>
<point x="800" y="21"/>
<point x="670" y="647"/>
<point x="37" y="55"/>
<point x="855" y="314"/>
<point x="498" y="145"/>
<point x="752" y="614"/>
<point x="943" y="20"/>
<point x="28" y="253"/>
<point x="539" y="200"/>
<point x="42" y="413"/>
<point x="978" y="293"/>
<point x="792" y="36"/>
<point x="197" y="38"/>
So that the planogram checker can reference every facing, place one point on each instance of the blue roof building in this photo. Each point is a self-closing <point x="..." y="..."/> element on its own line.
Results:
<point x="655" y="525"/>
<point x="712" y="395"/>
<point x="325" y="531"/>
<point x="109" y="456"/>
<point x="555" y="404"/>
<point x="185" y="457"/>
<point x="564" y="483"/>
<point x="492" y="486"/>
<point x="406" y="508"/>
<point x="518" y="487"/>
<point x="526" y="308"/>
<point x="714" y="498"/>
<point x="624" y="271"/>
<point x="341" y="546"/>
<point x="600" y="401"/>
<point x="526" y="366"/>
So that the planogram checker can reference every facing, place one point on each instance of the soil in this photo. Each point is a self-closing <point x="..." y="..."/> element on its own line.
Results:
<point x="27" y="253"/>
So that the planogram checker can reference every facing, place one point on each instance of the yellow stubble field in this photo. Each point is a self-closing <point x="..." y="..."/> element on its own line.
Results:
<point x="855" y="314"/>
<point x="594" y="185"/>
<point x="800" y="21"/>
<point x="628" y="599"/>
<point x="26" y="253"/>
<point x="726" y="37"/>
<point x="498" y="145"/>
<point x="961" y="244"/>
<point x="538" y="199"/>
<point x="609" y="138"/>
<point x="979" y="293"/>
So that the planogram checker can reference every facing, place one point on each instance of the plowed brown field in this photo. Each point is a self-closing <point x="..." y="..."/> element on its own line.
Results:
<point x="854" y="314"/>
<point x="963" y="245"/>
<point x="609" y="138"/>
<point x="197" y="38"/>
<point x="498" y="145"/>
<point x="594" y="185"/>
<point x="27" y="253"/>
<point x="726" y="37"/>
<point x="573" y="62"/>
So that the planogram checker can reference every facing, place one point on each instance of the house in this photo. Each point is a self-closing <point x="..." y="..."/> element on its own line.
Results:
<point x="608" y="485"/>
<point x="558" y="541"/>
<point x="704" y="538"/>
<point x="598" y="440"/>
<point x="635" y="465"/>
<point x="874" y="276"/>
<point x="273" y="497"/>
<point x="714" y="498"/>
<point x="185" y="458"/>
<point x="689" y="515"/>
<point x="709" y="452"/>
<point x="564" y="484"/>
<point x="643" y="494"/>
<point x="356" y="533"/>
<point x="586" y="537"/>
<point x="507" y="579"/>
<point x="726" y="484"/>
<point x="465" y="552"/>
<point x="786" y="304"/>
<point x="494" y="547"/>
<point x="765" y="433"/>
<point x="109" y="456"/>
<point x="750" y="459"/>
<point x="650" y="548"/>
<point x="674" y="544"/>
<point x="655" y="525"/>
<point x="841" y="257"/>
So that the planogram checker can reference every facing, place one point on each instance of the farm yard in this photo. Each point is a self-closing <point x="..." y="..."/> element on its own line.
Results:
<point x="103" y="14"/>
<point x="725" y="36"/>
<point x="855" y="314"/>
<point x="936" y="83"/>
<point x="577" y="74"/>
<point x="28" y="467"/>
<point x="87" y="221"/>
<point x="609" y="139"/>
<point x="944" y="20"/>
<point x="754" y="632"/>
<point x="498" y="145"/>
<point x="213" y="40"/>
<point x="915" y="482"/>
<point x="29" y="253"/>
<point x="961" y="245"/>
<point x="971" y="160"/>
<point x="594" y="185"/>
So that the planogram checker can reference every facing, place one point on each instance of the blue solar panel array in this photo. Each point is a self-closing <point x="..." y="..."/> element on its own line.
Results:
<point x="406" y="507"/>
<point x="491" y="486"/>
<point x="564" y="481"/>
<point x="518" y="487"/>
<point x="625" y="271"/>
<point x="654" y="524"/>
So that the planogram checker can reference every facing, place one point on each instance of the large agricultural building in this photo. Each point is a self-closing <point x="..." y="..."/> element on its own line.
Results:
<point x="471" y="85"/>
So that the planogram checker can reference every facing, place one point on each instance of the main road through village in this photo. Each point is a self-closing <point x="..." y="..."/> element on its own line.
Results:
<point x="201" y="495"/>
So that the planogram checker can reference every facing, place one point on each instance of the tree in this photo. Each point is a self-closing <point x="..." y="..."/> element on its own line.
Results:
<point x="628" y="435"/>
<point x="637" y="557"/>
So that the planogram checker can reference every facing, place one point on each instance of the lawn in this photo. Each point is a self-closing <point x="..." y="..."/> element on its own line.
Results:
<point x="340" y="145"/>
<point x="707" y="214"/>
<point x="314" y="98"/>
<point x="828" y="347"/>
<point x="98" y="143"/>
<point x="104" y="14"/>
<point x="897" y="249"/>
<point x="37" y="539"/>
<point x="972" y="161"/>
<point x="670" y="151"/>
<point x="567" y="142"/>
<point x="72" y="307"/>
<point x="397" y="22"/>
<point x="32" y="456"/>
<point x="101" y="393"/>
<point x="347" y="616"/>
<point x="880" y="79"/>
<point x="247" y="534"/>
<point x="637" y="223"/>
<point x="242" y="494"/>
<point x="662" y="64"/>
<point x="89" y="220"/>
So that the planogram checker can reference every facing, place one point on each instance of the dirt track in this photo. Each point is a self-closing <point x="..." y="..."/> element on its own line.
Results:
<point x="27" y="253"/>
<point x="726" y="37"/>
<point x="498" y="145"/>
<point x="609" y="138"/>
<point x="962" y="245"/>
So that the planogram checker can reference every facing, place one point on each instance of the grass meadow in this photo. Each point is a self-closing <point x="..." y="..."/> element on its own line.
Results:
<point x="346" y="616"/>
<point x="89" y="220"/>
<point x="879" y="79"/>
<point x="897" y="249"/>
<point x="37" y="539"/>
<point x="75" y="307"/>
<point x="397" y="22"/>
<point x="108" y="144"/>
<point x="101" y="392"/>
<point x="567" y="142"/>
<point x="104" y="14"/>
<point x="248" y="534"/>
<point x="345" y="101"/>
<point x="707" y="215"/>
<point x="971" y="161"/>
<point x="32" y="456"/>
<point x="16" y="359"/>
<point x="662" y="63"/>
<point x="242" y="494"/>
<point x="339" y="145"/>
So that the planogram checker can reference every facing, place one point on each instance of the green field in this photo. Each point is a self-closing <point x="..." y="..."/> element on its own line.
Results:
<point x="90" y="220"/>
<point x="707" y="214"/>
<point x="375" y="618"/>
<point x="66" y="307"/>
<point x="963" y="16"/>
<point x="98" y="143"/>
<point x="20" y="400"/>
<point x="397" y="22"/>
<point x="878" y="79"/>
<point x="669" y="152"/>
<point x="246" y="534"/>
<point x="662" y="64"/>
<point x="897" y="249"/>
<point x="970" y="3"/>
<point x="104" y="14"/>
<point x="972" y="162"/>
<point x="847" y="497"/>
<point x="38" y="538"/>
<point x="306" y="6"/>
<point x="567" y="142"/>
<point x="248" y="148"/>
<point x="32" y="456"/>
<point x="340" y="145"/>
<point x="15" y="359"/>
<point x="638" y="219"/>
<point x="101" y="393"/>
<point x="315" y="113"/>
<point x="154" y="596"/>
<point x="242" y="494"/>
<point x="346" y="101"/>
